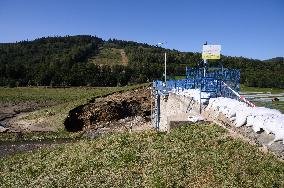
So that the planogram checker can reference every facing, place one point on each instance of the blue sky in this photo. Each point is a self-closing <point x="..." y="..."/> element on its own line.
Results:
<point x="249" y="28"/>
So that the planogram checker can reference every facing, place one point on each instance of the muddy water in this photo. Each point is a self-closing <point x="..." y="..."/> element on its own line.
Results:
<point x="5" y="118"/>
<point x="13" y="147"/>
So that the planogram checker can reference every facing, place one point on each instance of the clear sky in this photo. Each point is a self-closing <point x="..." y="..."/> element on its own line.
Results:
<point x="249" y="28"/>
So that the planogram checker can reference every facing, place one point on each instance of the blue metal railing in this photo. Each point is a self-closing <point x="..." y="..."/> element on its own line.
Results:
<point x="211" y="83"/>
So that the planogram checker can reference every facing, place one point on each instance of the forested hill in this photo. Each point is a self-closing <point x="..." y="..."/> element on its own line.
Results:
<point x="88" y="60"/>
<point x="275" y="59"/>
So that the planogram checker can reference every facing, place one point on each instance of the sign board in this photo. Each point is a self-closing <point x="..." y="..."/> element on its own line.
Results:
<point x="211" y="51"/>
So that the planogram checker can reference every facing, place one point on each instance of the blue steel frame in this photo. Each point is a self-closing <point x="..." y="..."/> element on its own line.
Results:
<point x="211" y="83"/>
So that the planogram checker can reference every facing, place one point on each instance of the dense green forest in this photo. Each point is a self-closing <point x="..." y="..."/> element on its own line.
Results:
<point x="64" y="61"/>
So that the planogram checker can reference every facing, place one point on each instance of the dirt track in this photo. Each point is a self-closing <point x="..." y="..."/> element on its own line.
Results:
<point x="124" y="58"/>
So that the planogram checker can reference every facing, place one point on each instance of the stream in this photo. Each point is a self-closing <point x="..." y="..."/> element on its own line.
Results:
<point x="13" y="147"/>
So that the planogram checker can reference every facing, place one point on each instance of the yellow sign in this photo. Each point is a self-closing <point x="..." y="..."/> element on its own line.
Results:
<point x="211" y="52"/>
<point x="211" y="56"/>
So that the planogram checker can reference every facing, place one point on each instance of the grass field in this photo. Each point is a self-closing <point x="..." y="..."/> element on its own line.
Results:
<point x="57" y="95"/>
<point x="259" y="89"/>
<point x="263" y="96"/>
<point x="189" y="156"/>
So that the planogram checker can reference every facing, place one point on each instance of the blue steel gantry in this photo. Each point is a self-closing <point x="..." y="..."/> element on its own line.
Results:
<point x="218" y="81"/>
<point x="212" y="81"/>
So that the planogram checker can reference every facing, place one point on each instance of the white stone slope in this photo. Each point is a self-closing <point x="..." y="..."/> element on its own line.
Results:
<point x="270" y="120"/>
<point x="240" y="114"/>
<point x="194" y="93"/>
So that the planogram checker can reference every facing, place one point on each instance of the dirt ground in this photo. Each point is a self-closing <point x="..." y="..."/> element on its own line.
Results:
<point x="124" y="58"/>
<point x="128" y="111"/>
<point x="10" y="114"/>
<point x="120" y="111"/>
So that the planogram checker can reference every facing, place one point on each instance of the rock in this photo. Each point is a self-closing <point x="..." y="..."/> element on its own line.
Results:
<point x="3" y="129"/>
<point x="195" y="119"/>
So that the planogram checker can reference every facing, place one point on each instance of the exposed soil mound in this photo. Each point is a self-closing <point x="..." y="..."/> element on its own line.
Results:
<point x="108" y="109"/>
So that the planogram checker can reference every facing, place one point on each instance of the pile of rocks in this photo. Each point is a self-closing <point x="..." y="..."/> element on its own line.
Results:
<point x="259" y="118"/>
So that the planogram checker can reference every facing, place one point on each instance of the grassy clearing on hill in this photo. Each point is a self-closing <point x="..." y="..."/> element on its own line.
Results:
<point x="107" y="56"/>
<point x="189" y="156"/>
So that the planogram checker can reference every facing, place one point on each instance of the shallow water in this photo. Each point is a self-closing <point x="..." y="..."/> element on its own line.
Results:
<point x="13" y="147"/>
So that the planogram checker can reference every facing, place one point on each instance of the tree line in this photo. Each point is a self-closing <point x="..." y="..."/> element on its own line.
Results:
<point x="63" y="61"/>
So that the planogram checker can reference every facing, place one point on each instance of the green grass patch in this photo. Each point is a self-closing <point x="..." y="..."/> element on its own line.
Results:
<point x="56" y="95"/>
<point x="260" y="89"/>
<point x="179" y="77"/>
<point x="189" y="156"/>
<point x="107" y="56"/>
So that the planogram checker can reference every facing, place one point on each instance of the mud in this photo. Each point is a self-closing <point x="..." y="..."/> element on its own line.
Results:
<point x="112" y="112"/>
<point x="10" y="111"/>
<point x="10" y="148"/>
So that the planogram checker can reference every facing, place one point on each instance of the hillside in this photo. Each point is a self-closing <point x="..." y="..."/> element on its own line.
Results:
<point x="109" y="56"/>
<point x="91" y="61"/>
<point x="275" y="59"/>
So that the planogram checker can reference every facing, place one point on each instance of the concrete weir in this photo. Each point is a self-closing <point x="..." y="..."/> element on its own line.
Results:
<point x="212" y="94"/>
<point x="176" y="108"/>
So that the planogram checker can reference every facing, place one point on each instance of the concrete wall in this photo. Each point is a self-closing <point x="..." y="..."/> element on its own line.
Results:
<point x="176" y="108"/>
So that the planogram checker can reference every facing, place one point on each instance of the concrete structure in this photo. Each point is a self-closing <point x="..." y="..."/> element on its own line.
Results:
<point x="177" y="108"/>
<point x="180" y="108"/>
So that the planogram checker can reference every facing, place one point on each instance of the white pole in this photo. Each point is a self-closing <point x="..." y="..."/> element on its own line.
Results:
<point x="165" y="67"/>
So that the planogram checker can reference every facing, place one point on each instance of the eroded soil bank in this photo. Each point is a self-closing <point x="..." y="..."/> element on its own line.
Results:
<point x="119" y="111"/>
